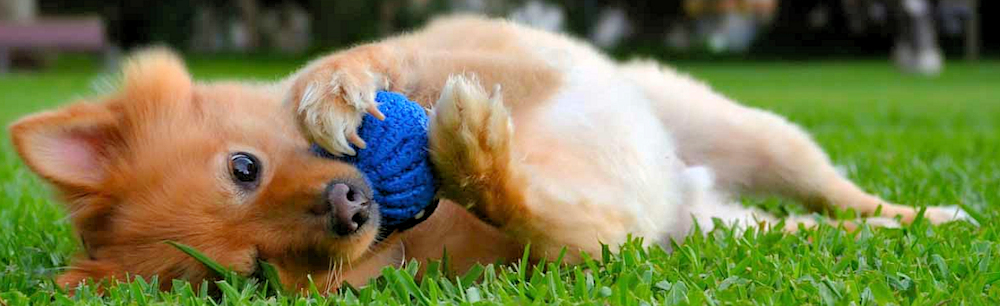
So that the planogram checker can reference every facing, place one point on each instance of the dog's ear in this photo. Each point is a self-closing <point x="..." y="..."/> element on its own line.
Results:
<point x="155" y="76"/>
<point x="71" y="147"/>
<point x="81" y="148"/>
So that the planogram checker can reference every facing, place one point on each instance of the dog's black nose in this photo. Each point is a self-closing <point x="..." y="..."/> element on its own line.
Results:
<point x="350" y="208"/>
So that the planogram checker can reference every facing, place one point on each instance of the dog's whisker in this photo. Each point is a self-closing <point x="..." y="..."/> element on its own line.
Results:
<point x="330" y="276"/>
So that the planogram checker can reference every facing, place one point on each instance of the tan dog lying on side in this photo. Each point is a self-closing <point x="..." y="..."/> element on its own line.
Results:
<point x="568" y="149"/>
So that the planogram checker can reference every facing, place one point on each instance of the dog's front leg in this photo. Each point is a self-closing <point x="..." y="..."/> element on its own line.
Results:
<point x="330" y="96"/>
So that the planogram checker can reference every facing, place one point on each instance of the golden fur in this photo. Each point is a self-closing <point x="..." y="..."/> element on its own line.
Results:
<point x="568" y="149"/>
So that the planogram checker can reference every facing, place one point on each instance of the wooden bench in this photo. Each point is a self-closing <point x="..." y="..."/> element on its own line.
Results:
<point x="64" y="34"/>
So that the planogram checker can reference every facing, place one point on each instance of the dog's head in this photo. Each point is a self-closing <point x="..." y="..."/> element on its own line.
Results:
<point x="217" y="166"/>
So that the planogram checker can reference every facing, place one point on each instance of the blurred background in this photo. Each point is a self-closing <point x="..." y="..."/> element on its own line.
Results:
<point x="915" y="35"/>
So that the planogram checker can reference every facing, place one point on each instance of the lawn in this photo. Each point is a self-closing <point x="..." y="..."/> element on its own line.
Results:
<point x="908" y="139"/>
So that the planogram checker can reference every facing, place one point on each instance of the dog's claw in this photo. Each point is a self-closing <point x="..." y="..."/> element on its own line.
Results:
<point x="332" y="105"/>
<point x="357" y="141"/>
<point x="340" y="144"/>
<point x="373" y="110"/>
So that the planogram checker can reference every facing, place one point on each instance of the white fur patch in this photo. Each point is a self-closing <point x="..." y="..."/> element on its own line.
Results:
<point x="623" y="161"/>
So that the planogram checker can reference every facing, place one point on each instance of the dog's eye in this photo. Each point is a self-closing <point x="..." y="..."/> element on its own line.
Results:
<point x="245" y="168"/>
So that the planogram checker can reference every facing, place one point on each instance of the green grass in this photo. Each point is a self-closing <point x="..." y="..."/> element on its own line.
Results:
<point x="908" y="139"/>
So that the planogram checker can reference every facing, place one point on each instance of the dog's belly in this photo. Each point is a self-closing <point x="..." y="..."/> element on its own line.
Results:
<point x="599" y="150"/>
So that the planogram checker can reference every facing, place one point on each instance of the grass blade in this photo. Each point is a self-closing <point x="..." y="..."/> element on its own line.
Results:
<point x="208" y="262"/>
<point x="270" y="274"/>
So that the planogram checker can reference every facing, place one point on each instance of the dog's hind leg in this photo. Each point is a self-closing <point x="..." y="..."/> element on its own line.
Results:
<point x="470" y="144"/>
<point x="754" y="151"/>
<point x="471" y="147"/>
<point x="705" y="206"/>
<point x="560" y="182"/>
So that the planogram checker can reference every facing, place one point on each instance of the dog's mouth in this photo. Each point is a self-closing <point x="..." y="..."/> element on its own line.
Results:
<point x="383" y="233"/>
<point x="358" y="246"/>
<point x="260" y="266"/>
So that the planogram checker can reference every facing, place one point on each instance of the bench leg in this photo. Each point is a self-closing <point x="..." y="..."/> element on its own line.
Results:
<point x="4" y="60"/>
<point x="972" y="40"/>
<point x="111" y="57"/>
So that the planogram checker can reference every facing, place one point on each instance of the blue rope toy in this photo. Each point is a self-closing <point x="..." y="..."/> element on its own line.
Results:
<point x="396" y="162"/>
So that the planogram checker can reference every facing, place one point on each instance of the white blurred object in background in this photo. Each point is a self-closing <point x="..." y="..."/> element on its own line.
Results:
<point x="540" y="15"/>
<point x="722" y="25"/>
<point x="916" y="49"/>
<point x="287" y="28"/>
<point x="612" y="27"/>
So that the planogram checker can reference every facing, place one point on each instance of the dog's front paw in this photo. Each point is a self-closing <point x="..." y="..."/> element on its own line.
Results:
<point x="943" y="214"/>
<point x="330" y="101"/>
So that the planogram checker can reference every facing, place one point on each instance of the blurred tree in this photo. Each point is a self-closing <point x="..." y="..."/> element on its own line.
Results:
<point x="336" y="23"/>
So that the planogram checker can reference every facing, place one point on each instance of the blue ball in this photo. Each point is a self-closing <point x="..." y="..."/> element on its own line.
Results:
<point x="396" y="162"/>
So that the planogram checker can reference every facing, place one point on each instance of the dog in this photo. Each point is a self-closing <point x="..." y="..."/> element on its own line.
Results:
<point x="537" y="138"/>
